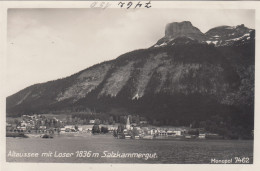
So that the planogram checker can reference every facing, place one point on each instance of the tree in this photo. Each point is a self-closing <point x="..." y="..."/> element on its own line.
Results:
<point x="16" y="122"/>
<point x="95" y="129"/>
<point x="122" y="120"/>
<point x="111" y="120"/>
<point x="114" y="133"/>
<point x="135" y="131"/>
<point x="193" y="132"/>
<point x="137" y="120"/>
<point x="104" y="130"/>
<point x="58" y="130"/>
<point x="120" y="129"/>
<point x="76" y="128"/>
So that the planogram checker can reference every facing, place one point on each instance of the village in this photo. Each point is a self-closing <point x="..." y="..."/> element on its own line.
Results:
<point x="46" y="127"/>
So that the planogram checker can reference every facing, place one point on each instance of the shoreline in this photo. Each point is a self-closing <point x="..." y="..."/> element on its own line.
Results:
<point x="95" y="136"/>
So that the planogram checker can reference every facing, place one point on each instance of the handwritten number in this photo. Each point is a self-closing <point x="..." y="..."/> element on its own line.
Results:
<point x="148" y="4"/>
<point x="139" y="4"/>
<point x="121" y="4"/>
<point x="129" y="4"/>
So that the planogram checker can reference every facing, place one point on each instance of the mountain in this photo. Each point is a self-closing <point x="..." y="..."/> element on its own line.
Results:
<point x="186" y="76"/>
<point x="226" y="35"/>
<point x="218" y="36"/>
<point x="180" y="30"/>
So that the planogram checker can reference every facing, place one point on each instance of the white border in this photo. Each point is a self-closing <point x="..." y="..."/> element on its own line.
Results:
<point x="5" y="166"/>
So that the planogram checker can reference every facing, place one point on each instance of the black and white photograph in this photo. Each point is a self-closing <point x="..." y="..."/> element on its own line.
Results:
<point x="130" y="83"/>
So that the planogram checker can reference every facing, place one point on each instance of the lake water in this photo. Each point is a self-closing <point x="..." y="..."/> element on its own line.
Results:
<point x="160" y="151"/>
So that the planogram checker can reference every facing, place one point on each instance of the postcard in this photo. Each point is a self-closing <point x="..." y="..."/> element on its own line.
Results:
<point x="171" y="85"/>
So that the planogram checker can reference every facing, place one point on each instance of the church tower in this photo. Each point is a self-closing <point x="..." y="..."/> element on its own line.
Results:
<point x="128" y="124"/>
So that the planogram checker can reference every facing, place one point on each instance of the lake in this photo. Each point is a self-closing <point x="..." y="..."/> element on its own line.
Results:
<point x="107" y="149"/>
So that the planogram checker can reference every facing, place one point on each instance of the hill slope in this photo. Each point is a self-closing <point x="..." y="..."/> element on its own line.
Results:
<point x="183" y="77"/>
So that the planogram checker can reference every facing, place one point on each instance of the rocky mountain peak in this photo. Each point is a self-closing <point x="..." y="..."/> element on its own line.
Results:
<point x="229" y="35"/>
<point x="180" y="30"/>
<point x="218" y="36"/>
<point x="177" y="29"/>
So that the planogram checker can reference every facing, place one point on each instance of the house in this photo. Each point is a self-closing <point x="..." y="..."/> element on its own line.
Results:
<point x="138" y="128"/>
<point x="125" y="131"/>
<point x="80" y="129"/>
<point x="163" y="133"/>
<point x="92" y="121"/>
<point x="179" y="133"/>
<point x="62" y="130"/>
<point x="26" y="117"/>
<point x="70" y="126"/>
<point x="43" y="127"/>
<point x="127" y="136"/>
<point x="111" y="128"/>
<point x="202" y="136"/>
<point x="10" y="127"/>
<point x="154" y="131"/>
<point x="171" y="133"/>
<point x="143" y="122"/>
<point x="24" y="124"/>
<point x="32" y="127"/>
<point x="133" y="124"/>
<point x="86" y="128"/>
<point x="137" y="137"/>
<point x="21" y="128"/>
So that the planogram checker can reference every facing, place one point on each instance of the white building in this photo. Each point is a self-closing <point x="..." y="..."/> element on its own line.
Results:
<point x="92" y="121"/>
<point x="177" y="132"/>
<point x="202" y="136"/>
<point x="23" y="124"/>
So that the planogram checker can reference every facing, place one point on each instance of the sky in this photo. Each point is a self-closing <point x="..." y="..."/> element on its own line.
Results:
<point x="48" y="44"/>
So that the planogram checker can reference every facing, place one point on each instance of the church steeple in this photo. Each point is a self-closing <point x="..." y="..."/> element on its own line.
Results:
<point x="128" y="123"/>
